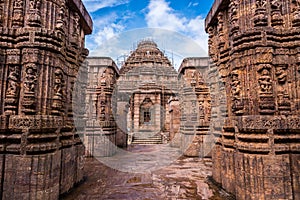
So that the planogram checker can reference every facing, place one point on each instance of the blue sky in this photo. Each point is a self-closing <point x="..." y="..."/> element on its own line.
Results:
<point x="120" y="24"/>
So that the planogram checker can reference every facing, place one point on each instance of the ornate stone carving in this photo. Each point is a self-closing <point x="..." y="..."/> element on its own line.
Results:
<point x="60" y="22"/>
<point x="260" y="18"/>
<point x="12" y="91"/>
<point x="295" y="13"/>
<point x="212" y="46"/>
<point x="233" y="10"/>
<point x="266" y="98"/>
<point x="13" y="56"/>
<point x="220" y="29"/>
<point x="18" y="14"/>
<point x="29" y="89"/>
<point x="34" y="13"/>
<point x="1" y="12"/>
<point x="276" y="13"/>
<point x="58" y="92"/>
<point x="283" y="98"/>
<point x="236" y="93"/>
<point x="76" y="27"/>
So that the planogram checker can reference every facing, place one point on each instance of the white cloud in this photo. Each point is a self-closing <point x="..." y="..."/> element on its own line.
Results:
<point x="161" y="15"/>
<point x="106" y="27"/>
<point x="94" y="5"/>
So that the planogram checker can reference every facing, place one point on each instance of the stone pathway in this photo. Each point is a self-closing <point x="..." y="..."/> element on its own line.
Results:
<point x="184" y="178"/>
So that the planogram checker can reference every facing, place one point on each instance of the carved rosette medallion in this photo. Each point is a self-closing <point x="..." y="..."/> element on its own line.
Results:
<point x="265" y="91"/>
<point x="236" y="93"/>
<point x="12" y="90"/>
<point x="283" y="98"/>
<point x="57" y="103"/>
<point x="18" y="14"/>
<point x="276" y="13"/>
<point x="261" y="17"/>
<point x="34" y="13"/>
<point x="29" y="89"/>
<point x="295" y="13"/>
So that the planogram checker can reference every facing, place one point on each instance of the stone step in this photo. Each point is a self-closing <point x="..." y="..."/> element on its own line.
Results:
<point x="156" y="139"/>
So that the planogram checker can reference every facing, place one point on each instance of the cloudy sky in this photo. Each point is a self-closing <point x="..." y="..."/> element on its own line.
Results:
<point x="177" y="26"/>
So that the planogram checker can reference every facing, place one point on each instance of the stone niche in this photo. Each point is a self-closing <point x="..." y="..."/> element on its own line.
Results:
<point x="42" y="51"/>
<point x="255" y="47"/>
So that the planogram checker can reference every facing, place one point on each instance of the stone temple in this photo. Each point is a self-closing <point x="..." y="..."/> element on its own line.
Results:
<point x="240" y="107"/>
<point x="140" y="103"/>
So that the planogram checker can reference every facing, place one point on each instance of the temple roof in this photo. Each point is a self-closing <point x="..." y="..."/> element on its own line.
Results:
<point x="147" y="54"/>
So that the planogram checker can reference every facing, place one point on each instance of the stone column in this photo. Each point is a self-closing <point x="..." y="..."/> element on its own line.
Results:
<point x="41" y="153"/>
<point x="257" y="60"/>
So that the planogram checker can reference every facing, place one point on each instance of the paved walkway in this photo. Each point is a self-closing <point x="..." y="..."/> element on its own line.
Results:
<point x="163" y="175"/>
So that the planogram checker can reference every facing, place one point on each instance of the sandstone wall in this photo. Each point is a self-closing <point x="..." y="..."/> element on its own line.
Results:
<point x="195" y="106"/>
<point x="255" y="47"/>
<point x="42" y="49"/>
<point x="100" y="136"/>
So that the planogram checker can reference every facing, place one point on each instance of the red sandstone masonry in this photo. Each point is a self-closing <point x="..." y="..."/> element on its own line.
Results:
<point x="42" y="49"/>
<point x="255" y="47"/>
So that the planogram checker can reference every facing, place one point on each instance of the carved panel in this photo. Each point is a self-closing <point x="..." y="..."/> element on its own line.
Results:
<point x="233" y="10"/>
<point x="12" y="90"/>
<point x="29" y="88"/>
<point x="261" y="17"/>
<point x="18" y="13"/>
<point x="265" y="90"/>
<point x="34" y="13"/>
<point x="1" y="12"/>
<point x="276" y="13"/>
<point x="13" y="56"/>
<point x="295" y="13"/>
<point x="283" y="97"/>
<point x="58" y="92"/>
<point x="236" y="93"/>
<point x="60" y="21"/>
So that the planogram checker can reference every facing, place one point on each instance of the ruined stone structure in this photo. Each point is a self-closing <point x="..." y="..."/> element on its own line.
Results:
<point x="100" y="133"/>
<point x="42" y="48"/>
<point x="255" y="47"/>
<point x="195" y="105"/>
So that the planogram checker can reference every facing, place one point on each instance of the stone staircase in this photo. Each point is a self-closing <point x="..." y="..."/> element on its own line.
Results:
<point x="146" y="139"/>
